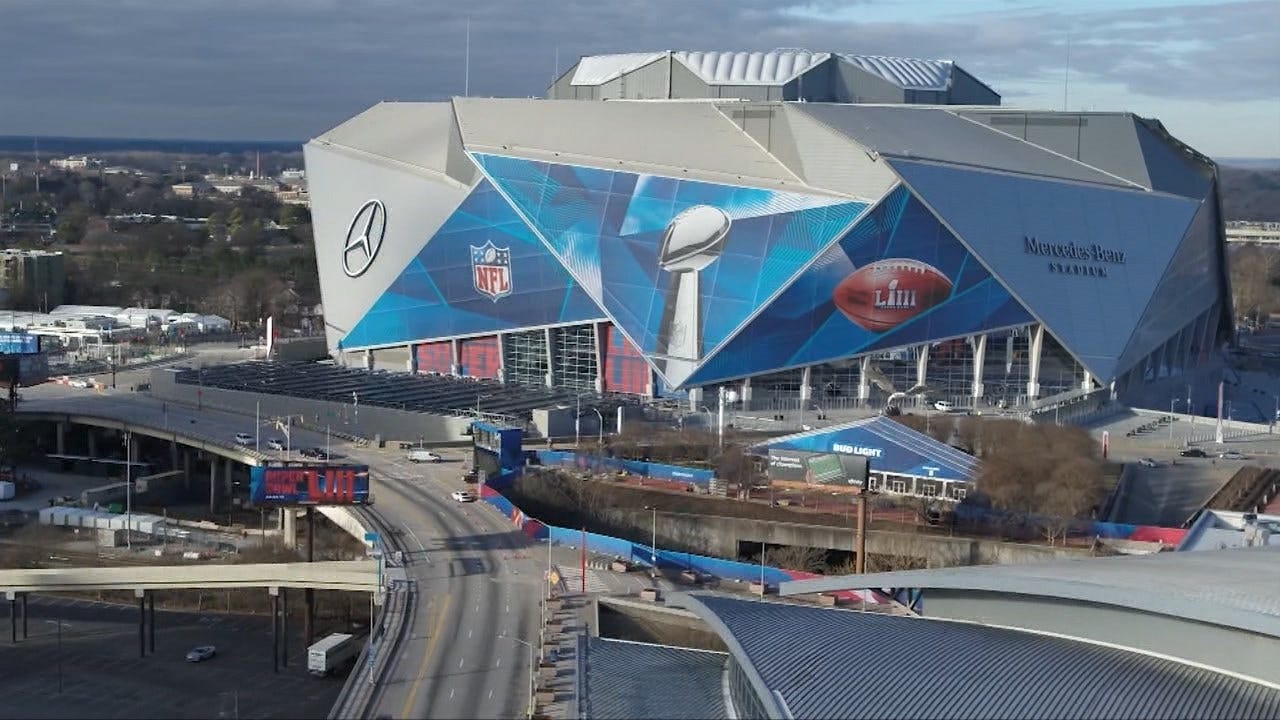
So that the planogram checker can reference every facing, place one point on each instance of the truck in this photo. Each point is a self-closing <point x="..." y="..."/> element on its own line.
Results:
<point x="332" y="652"/>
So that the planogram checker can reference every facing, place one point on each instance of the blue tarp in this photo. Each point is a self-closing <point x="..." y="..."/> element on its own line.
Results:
<point x="635" y="467"/>
<point x="892" y="447"/>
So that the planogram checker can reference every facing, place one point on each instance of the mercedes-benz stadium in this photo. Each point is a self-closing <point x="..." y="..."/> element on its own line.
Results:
<point x="802" y="225"/>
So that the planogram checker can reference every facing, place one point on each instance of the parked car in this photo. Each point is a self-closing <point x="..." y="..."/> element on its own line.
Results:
<point x="79" y="383"/>
<point x="944" y="406"/>
<point x="1232" y="455"/>
<point x="244" y="439"/>
<point x="200" y="653"/>
<point x="463" y="496"/>
<point x="420" y="456"/>
<point x="1148" y="462"/>
<point x="275" y="444"/>
<point x="1193" y="453"/>
<point x="309" y="452"/>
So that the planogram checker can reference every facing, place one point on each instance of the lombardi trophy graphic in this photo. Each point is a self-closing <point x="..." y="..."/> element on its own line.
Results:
<point x="693" y="240"/>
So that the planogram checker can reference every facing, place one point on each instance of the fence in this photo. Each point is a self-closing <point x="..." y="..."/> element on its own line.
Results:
<point x="564" y="458"/>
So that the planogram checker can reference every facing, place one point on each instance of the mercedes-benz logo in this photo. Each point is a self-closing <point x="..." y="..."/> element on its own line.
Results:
<point x="364" y="238"/>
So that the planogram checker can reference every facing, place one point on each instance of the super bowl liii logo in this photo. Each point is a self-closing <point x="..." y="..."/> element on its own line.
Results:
<point x="1092" y="253"/>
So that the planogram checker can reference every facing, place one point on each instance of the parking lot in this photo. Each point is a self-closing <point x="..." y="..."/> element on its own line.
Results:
<point x="102" y="675"/>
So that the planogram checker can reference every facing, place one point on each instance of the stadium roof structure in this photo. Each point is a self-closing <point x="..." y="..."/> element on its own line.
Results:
<point x="805" y="661"/>
<point x="624" y="679"/>
<point x="893" y="448"/>
<point x="1219" y="607"/>
<point x="1009" y="201"/>
<point x="783" y="74"/>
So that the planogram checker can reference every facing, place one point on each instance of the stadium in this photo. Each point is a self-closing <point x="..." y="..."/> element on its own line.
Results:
<point x="801" y="227"/>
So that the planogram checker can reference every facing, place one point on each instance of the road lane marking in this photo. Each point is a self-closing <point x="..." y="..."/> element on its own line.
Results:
<point x="499" y="663"/>
<point x="450" y="693"/>
<point x="460" y="661"/>
<point x="433" y="623"/>
<point x="469" y="634"/>
<point x="490" y="693"/>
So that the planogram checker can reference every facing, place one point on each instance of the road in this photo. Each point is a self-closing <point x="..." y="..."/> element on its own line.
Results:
<point x="475" y="575"/>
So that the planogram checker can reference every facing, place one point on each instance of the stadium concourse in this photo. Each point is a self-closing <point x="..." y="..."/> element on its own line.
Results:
<point x="684" y="224"/>
<point x="1180" y="635"/>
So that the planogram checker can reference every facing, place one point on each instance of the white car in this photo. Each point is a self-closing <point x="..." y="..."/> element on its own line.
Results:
<point x="944" y="406"/>
<point x="1232" y="455"/>
<point x="244" y="439"/>
<point x="275" y="444"/>
<point x="421" y="456"/>
<point x="201" y="653"/>
<point x="1148" y="462"/>
<point x="463" y="496"/>
<point x="79" y="383"/>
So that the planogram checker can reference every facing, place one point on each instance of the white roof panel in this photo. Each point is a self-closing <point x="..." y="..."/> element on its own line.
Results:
<point x="600" y="69"/>
<point x="750" y="68"/>
<point x="906" y="73"/>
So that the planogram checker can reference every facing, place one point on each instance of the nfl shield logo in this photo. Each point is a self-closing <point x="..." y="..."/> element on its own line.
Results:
<point x="491" y="270"/>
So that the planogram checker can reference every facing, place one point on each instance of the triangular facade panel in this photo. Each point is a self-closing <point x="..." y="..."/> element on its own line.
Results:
<point x="679" y="265"/>
<point x="892" y="447"/>
<point x="482" y="271"/>
<point x="1083" y="259"/>
<point x="896" y="278"/>
<point x="1191" y="284"/>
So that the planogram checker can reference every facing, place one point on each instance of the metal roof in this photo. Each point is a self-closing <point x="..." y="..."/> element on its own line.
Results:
<point x="777" y="67"/>
<point x="410" y="133"/>
<point x="913" y="132"/>
<point x="1232" y="588"/>
<point x="957" y="464"/>
<point x="626" y="679"/>
<point x="819" y="662"/>
<point x="600" y="69"/>
<point x="906" y="73"/>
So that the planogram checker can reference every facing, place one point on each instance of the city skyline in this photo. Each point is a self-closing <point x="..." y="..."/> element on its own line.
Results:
<point x="1209" y="70"/>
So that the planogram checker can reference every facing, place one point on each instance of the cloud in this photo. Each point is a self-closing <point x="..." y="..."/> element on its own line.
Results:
<point x="289" y="69"/>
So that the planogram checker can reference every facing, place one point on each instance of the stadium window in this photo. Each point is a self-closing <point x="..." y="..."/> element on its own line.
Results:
<point x="899" y="486"/>
<point x="959" y="493"/>
<point x="930" y="490"/>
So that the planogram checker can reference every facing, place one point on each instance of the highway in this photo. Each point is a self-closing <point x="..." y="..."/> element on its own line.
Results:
<point x="476" y="578"/>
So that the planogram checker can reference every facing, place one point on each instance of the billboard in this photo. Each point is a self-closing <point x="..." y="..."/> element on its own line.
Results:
<point x="897" y="278"/>
<point x="309" y="485"/>
<point x="19" y="343"/>
<point x="678" y="265"/>
<point x="887" y="446"/>
<point x="818" y="468"/>
<point x="483" y="271"/>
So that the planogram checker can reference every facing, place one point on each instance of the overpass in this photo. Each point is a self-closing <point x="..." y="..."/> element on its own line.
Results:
<point x="195" y="440"/>
<point x="348" y="575"/>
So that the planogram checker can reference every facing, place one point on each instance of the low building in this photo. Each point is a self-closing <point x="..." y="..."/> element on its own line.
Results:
<point x="148" y="318"/>
<point x="1223" y="529"/>
<point x="32" y="278"/>
<point x="192" y="189"/>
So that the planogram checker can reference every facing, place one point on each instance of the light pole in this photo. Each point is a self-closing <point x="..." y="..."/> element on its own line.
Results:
<point x="653" y="547"/>
<point x="128" y="489"/>
<point x="533" y="666"/>
<point x="257" y="426"/>
<point x="600" y="438"/>
<point x="1172" y="402"/>
<point x="577" y="423"/>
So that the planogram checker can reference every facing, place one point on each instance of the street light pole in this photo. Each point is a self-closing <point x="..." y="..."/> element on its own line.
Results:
<point x="653" y="548"/>
<point x="600" y="438"/>
<point x="533" y="667"/>
<point x="577" y="424"/>
<point x="257" y="426"/>
<point x="128" y="489"/>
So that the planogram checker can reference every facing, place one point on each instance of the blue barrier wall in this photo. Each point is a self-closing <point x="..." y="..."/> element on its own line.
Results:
<point x="659" y="471"/>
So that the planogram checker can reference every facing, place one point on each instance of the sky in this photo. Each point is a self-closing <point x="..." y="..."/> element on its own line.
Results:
<point x="291" y="69"/>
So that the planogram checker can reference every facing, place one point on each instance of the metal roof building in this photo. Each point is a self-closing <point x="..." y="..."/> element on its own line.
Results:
<point x="1219" y="608"/>
<point x="669" y="247"/>
<point x="808" y="662"/>
<point x="775" y="75"/>
<point x="637" y="680"/>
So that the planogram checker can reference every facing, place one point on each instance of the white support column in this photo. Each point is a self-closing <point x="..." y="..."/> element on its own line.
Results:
<point x="1086" y="382"/>
<point x="367" y="359"/>
<point x="598" y="338"/>
<point x="1033" y="362"/>
<point x="979" y="363"/>
<point x="501" y="340"/>
<point x="864" y="381"/>
<point x="922" y="365"/>
<point x="289" y="527"/>
<point x="412" y="363"/>
<point x="455" y="357"/>
<point x="806" y="384"/>
<point x="549" y="339"/>
<point x="744" y="392"/>
<point x="695" y="398"/>
<point x="649" y="386"/>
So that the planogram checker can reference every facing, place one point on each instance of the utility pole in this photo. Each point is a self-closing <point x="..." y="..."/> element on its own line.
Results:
<point x="128" y="488"/>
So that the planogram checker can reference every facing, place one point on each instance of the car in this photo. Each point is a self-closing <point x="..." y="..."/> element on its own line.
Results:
<point x="79" y="383"/>
<point x="321" y="455"/>
<point x="944" y="406"/>
<point x="1232" y="455"/>
<point x="275" y="444"/>
<point x="200" y="653"/>
<point x="1148" y="462"/>
<point x="244" y="439"/>
<point x="462" y="496"/>
<point x="1193" y="453"/>
<point x="309" y="452"/>
<point x="419" y="456"/>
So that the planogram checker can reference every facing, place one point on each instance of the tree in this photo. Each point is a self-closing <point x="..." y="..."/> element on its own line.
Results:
<point x="234" y="220"/>
<point x="794" y="557"/>
<point x="216" y="227"/>
<point x="941" y="426"/>
<point x="72" y="223"/>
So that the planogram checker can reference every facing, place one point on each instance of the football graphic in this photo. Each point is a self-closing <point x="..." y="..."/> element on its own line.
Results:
<point x="889" y="292"/>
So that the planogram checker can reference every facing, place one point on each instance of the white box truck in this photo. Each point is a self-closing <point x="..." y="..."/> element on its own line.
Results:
<point x="330" y="653"/>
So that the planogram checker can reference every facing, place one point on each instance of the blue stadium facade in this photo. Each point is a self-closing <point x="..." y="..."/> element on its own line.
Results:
<point x="666" y="248"/>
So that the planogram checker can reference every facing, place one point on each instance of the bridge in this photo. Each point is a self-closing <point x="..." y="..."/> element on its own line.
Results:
<point x="348" y="575"/>
<point x="195" y="440"/>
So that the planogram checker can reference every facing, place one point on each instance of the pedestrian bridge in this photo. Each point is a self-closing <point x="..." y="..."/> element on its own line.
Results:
<point x="350" y="575"/>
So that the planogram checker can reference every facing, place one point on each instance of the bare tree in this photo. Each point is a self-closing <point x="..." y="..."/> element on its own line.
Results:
<point x="941" y="427"/>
